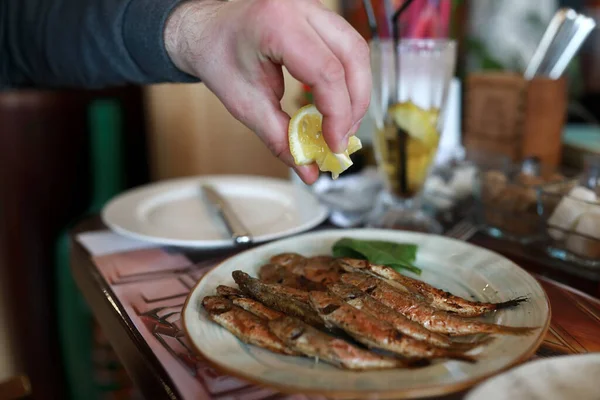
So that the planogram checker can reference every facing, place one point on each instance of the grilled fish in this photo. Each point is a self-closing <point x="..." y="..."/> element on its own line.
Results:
<point x="375" y="333"/>
<point x="242" y="300"/>
<point x="362" y="301"/>
<point x="438" y="298"/>
<point x="283" y="275"/>
<point x="287" y="300"/>
<point x="320" y="269"/>
<point x="246" y="326"/>
<point x="288" y="259"/>
<point x="311" y="342"/>
<point x="431" y="318"/>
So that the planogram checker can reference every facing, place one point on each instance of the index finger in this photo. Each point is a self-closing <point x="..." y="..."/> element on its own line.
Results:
<point x="353" y="51"/>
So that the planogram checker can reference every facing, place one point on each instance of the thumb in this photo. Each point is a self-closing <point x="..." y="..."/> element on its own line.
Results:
<point x="273" y="131"/>
<point x="270" y="123"/>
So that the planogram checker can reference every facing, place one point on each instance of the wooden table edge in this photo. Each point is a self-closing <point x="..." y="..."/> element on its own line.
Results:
<point x="142" y="365"/>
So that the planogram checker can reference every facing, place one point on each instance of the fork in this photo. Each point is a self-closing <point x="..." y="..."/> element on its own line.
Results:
<point x="463" y="230"/>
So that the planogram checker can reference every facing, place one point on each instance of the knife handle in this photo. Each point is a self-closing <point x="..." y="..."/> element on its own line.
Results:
<point x="238" y="231"/>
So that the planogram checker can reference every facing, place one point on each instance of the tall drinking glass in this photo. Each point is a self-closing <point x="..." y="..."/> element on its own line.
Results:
<point x="408" y="104"/>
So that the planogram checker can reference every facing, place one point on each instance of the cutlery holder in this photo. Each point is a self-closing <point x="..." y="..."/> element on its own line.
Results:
<point x="515" y="117"/>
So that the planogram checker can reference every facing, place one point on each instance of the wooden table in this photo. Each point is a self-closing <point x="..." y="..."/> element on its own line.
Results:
<point x="575" y="324"/>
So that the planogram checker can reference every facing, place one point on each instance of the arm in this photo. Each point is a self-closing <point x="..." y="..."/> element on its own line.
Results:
<point x="85" y="43"/>
<point x="237" y="48"/>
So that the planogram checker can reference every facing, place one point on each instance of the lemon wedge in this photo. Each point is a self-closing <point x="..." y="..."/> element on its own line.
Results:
<point x="418" y="123"/>
<point x="307" y="144"/>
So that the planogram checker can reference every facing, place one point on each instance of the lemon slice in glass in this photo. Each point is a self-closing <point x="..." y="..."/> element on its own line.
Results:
<point x="418" y="123"/>
<point x="307" y="144"/>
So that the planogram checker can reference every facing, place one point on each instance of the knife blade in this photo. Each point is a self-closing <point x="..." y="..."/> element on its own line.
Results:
<point x="239" y="233"/>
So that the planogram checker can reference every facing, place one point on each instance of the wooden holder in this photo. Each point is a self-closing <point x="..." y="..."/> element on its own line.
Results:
<point x="506" y="114"/>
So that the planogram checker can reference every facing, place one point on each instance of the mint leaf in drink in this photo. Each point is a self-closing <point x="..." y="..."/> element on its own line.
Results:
<point x="394" y="255"/>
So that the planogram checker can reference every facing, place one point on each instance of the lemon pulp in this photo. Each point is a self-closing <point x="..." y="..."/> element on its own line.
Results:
<point x="421" y="145"/>
<point x="307" y="144"/>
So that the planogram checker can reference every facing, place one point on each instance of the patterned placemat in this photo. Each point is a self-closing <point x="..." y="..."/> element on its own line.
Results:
<point x="152" y="283"/>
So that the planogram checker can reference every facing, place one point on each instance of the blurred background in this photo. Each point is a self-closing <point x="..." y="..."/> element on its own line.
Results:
<point x="63" y="152"/>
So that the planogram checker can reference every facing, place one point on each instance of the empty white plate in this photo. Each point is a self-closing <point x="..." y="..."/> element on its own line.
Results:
<point x="173" y="212"/>
<point x="556" y="378"/>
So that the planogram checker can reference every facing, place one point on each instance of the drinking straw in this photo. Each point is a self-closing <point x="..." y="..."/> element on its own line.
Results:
<point x="388" y="9"/>
<point x="401" y="134"/>
<point x="371" y="18"/>
<point x="400" y="11"/>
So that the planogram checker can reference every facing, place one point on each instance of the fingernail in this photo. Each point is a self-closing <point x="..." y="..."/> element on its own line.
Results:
<point x="343" y="144"/>
<point x="354" y="128"/>
<point x="306" y="173"/>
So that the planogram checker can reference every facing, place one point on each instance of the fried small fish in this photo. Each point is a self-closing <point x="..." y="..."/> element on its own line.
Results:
<point x="311" y="342"/>
<point x="287" y="300"/>
<point x="288" y="259"/>
<point x="242" y="300"/>
<point x="438" y="298"/>
<point x="283" y="275"/>
<point x="375" y="333"/>
<point x="423" y="313"/>
<point x="362" y="301"/>
<point x="319" y="269"/>
<point x="246" y="326"/>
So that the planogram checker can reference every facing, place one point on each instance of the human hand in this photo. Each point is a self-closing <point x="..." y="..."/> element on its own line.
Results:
<point x="238" y="48"/>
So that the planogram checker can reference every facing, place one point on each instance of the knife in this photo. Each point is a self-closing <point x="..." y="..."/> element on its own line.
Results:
<point x="221" y="207"/>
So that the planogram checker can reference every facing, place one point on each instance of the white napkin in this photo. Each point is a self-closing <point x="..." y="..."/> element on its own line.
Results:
<point x="557" y="378"/>
<point x="107" y="242"/>
<point x="349" y="198"/>
<point x="569" y="210"/>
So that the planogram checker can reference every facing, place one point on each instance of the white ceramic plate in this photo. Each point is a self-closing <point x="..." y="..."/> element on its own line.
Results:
<point x="555" y="378"/>
<point x="462" y="268"/>
<point x="172" y="213"/>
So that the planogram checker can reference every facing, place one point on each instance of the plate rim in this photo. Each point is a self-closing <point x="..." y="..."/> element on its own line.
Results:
<point x="429" y="391"/>
<point x="320" y="216"/>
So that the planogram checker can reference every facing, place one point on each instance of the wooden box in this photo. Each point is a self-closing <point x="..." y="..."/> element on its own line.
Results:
<point x="509" y="115"/>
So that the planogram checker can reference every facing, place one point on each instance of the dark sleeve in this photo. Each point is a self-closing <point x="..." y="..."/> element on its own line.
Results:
<point x="85" y="43"/>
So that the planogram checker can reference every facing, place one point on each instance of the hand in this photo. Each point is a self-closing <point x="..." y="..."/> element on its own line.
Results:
<point x="238" y="48"/>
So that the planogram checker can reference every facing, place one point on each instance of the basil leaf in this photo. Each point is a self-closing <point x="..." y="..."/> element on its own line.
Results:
<point x="394" y="255"/>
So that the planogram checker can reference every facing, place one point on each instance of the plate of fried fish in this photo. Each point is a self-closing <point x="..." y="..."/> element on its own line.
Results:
<point x="366" y="313"/>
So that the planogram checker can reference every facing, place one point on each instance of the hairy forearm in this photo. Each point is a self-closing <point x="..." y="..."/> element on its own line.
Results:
<point x="186" y="31"/>
<point x="85" y="43"/>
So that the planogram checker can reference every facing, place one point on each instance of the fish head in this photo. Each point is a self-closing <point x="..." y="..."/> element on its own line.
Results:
<point x="216" y="305"/>
<point x="272" y="273"/>
<point x="346" y="291"/>
<point x="324" y="303"/>
<point x="320" y="262"/>
<point x="229" y="292"/>
<point x="353" y="264"/>
<point x="355" y="279"/>
<point x="287" y="328"/>
<point x="288" y="259"/>
<point x="241" y="277"/>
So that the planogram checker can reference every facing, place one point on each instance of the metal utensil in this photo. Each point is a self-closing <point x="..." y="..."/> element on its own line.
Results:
<point x="463" y="230"/>
<point x="583" y="26"/>
<point x="221" y="207"/>
<point x="549" y="37"/>
<point x="562" y="39"/>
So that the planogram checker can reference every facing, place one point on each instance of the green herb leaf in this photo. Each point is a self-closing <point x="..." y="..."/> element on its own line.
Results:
<point x="394" y="255"/>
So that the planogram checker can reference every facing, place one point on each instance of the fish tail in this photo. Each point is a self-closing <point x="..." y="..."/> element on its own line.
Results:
<point x="466" y="346"/>
<point x="458" y="356"/>
<point x="513" y="330"/>
<point x="511" y="303"/>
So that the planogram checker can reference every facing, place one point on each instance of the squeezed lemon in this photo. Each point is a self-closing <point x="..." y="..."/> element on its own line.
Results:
<point x="417" y="122"/>
<point x="307" y="144"/>
<point x="422" y="140"/>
